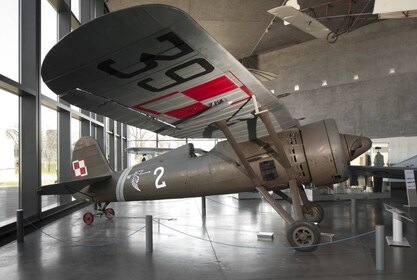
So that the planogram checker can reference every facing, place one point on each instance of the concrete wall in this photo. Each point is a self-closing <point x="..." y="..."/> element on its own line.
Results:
<point x="378" y="104"/>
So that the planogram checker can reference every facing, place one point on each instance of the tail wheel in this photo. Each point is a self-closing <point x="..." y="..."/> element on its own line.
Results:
<point x="315" y="214"/>
<point x="303" y="235"/>
<point x="109" y="213"/>
<point x="88" y="218"/>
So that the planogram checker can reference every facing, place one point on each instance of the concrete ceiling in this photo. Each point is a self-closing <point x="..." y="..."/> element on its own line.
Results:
<point x="239" y="25"/>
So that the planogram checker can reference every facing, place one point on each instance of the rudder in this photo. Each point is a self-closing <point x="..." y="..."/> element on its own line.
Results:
<point x="88" y="160"/>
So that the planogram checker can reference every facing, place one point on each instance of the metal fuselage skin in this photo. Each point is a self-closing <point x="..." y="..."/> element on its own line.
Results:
<point x="180" y="173"/>
<point x="316" y="152"/>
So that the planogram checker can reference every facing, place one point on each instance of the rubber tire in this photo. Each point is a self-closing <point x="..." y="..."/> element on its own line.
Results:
<point x="88" y="218"/>
<point x="109" y="213"/>
<point x="303" y="235"/>
<point x="318" y="213"/>
<point x="332" y="37"/>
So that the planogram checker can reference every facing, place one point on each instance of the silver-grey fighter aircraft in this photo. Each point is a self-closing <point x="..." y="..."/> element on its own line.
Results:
<point x="154" y="67"/>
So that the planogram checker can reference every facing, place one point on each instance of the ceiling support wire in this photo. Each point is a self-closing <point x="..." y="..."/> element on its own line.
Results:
<point x="263" y="34"/>
<point x="361" y="13"/>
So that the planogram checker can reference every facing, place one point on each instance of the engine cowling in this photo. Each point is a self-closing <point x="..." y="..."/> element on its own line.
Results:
<point x="320" y="154"/>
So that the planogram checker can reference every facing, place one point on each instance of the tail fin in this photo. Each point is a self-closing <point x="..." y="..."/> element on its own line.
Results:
<point x="89" y="167"/>
<point x="88" y="160"/>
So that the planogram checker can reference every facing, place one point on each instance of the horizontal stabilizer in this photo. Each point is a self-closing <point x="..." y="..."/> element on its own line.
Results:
<point x="70" y="187"/>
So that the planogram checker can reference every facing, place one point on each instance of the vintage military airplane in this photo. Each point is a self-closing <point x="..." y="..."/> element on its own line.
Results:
<point x="154" y="67"/>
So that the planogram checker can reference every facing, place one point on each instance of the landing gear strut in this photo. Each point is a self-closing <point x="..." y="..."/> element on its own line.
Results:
<point x="313" y="212"/>
<point x="109" y="213"/>
<point x="302" y="234"/>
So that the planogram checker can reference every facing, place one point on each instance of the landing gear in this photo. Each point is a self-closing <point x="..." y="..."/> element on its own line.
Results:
<point x="109" y="213"/>
<point x="88" y="218"/>
<point x="303" y="235"/>
<point x="313" y="212"/>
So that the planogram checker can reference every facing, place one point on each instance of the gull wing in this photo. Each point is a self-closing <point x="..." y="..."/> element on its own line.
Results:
<point x="155" y="68"/>
<point x="301" y="20"/>
<point x="385" y="172"/>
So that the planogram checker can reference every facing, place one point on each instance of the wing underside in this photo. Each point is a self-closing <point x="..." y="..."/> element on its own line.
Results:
<point x="155" y="68"/>
<point x="385" y="172"/>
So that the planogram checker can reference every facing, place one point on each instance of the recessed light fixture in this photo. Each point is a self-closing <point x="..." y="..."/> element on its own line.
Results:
<point x="324" y="83"/>
<point x="356" y="77"/>
<point x="392" y="70"/>
<point x="296" y="87"/>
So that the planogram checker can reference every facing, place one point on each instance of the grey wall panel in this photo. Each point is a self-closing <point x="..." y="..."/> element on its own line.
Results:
<point x="377" y="104"/>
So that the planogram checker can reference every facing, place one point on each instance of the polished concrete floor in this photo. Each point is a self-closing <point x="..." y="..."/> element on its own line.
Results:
<point x="223" y="245"/>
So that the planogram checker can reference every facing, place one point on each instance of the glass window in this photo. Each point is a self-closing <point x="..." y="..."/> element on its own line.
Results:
<point x="140" y="137"/>
<point x="9" y="159"/>
<point x="9" y="34"/>
<point x="49" y="124"/>
<point x="75" y="135"/>
<point x="49" y="37"/>
<point x="204" y="144"/>
<point x="170" y="142"/>
<point x="75" y="8"/>
<point x="137" y="137"/>
<point x="75" y="132"/>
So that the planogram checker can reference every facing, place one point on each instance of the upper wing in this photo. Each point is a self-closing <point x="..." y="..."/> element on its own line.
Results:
<point x="154" y="67"/>
<point x="385" y="172"/>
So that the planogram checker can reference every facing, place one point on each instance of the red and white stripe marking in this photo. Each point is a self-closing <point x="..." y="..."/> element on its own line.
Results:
<point x="80" y="169"/>
<point x="180" y="105"/>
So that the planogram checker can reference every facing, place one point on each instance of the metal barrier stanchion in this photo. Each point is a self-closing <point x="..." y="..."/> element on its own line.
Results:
<point x="149" y="230"/>
<point x="379" y="247"/>
<point x="203" y="206"/>
<point x="20" y="229"/>
<point x="353" y="211"/>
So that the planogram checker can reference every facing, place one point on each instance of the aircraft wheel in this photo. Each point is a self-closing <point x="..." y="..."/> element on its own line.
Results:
<point x="332" y="37"/>
<point x="88" y="218"/>
<point x="316" y="214"/>
<point x="109" y="213"/>
<point x="303" y="235"/>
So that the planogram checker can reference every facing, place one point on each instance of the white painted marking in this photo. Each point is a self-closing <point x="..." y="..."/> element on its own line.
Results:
<point x="159" y="184"/>
<point x="121" y="183"/>
<point x="79" y="167"/>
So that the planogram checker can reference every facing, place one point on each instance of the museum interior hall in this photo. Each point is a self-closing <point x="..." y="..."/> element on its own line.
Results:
<point x="196" y="139"/>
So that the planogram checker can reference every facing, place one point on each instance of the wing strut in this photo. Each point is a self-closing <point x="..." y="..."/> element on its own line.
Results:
<point x="283" y="160"/>
<point x="252" y="175"/>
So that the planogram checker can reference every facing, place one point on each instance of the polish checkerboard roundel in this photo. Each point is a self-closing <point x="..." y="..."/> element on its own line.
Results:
<point x="79" y="167"/>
